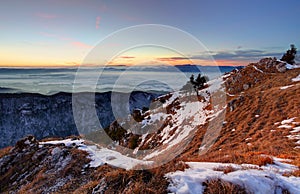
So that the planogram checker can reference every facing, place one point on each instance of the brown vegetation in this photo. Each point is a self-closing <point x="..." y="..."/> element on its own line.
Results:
<point x="245" y="137"/>
<point x="222" y="187"/>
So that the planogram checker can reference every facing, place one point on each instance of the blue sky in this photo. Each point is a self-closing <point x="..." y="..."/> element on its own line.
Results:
<point x="62" y="32"/>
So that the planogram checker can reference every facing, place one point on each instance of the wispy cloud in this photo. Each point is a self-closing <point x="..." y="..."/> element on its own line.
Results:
<point x="71" y="41"/>
<point x="241" y="56"/>
<point x="172" y="58"/>
<point x="127" y="57"/>
<point x="80" y="44"/>
<point x="245" y="55"/>
<point x="46" y="15"/>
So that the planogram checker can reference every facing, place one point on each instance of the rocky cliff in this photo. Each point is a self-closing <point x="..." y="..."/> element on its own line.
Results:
<point x="52" y="116"/>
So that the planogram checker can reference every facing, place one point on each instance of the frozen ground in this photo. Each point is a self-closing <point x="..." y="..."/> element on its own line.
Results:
<point x="100" y="156"/>
<point x="255" y="179"/>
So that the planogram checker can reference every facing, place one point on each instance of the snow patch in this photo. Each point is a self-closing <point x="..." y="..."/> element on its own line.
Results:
<point x="99" y="156"/>
<point x="186" y="119"/>
<point x="284" y="123"/>
<point x="289" y="66"/>
<point x="171" y="99"/>
<point x="287" y="121"/>
<point x="285" y="126"/>
<point x="254" y="179"/>
<point x="296" y="79"/>
<point x="257" y="69"/>
<point x="296" y="130"/>
<point x="286" y="87"/>
<point x="66" y="142"/>
<point x="153" y="118"/>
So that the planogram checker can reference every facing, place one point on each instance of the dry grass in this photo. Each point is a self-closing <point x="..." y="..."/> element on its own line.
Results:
<point x="225" y="169"/>
<point x="74" y="167"/>
<point x="143" y="181"/>
<point x="218" y="186"/>
<point x="36" y="185"/>
<point x="87" y="188"/>
<point x="51" y="139"/>
<point x="296" y="173"/>
<point x="5" y="151"/>
<point x="45" y="179"/>
<point x="253" y="137"/>
<point x="133" y="181"/>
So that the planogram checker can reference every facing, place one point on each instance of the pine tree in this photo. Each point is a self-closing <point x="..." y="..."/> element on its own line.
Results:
<point x="290" y="55"/>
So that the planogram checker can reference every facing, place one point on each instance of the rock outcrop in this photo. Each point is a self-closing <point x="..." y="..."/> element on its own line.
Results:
<point x="52" y="116"/>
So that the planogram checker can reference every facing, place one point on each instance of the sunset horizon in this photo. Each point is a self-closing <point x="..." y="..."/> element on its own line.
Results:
<point x="61" y="33"/>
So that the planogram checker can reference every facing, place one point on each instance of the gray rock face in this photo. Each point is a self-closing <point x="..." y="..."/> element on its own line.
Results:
<point x="281" y="67"/>
<point x="52" y="116"/>
<point x="246" y="86"/>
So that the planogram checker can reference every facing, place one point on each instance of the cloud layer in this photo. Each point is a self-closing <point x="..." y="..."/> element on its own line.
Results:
<point x="242" y="56"/>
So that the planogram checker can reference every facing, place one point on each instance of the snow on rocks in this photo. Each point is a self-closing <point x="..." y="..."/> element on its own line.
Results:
<point x="190" y="113"/>
<point x="285" y="126"/>
<point x="286" y="87"/>
<point x="285" y="123"/>
<point x="194" y="112"/>
<point x="294" y="127"/>
<point x="267" y="179"/>
<point x="296" y="79"/>
<point x="153" y="119"/>
<point x="257" y="69"/>
<point x="289" y="66"/>
<point x="296" y="130"/>
<point x="98" y="155"/>
<point x="66" y="142"/>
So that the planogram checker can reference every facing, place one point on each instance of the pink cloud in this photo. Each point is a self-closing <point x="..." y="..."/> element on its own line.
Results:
<point x="71" y="41"/>
<point x="98" y="18"/>
<point x="127" y="57"/>
<point x="46" y="15"/>
<point x="80" y="44"/>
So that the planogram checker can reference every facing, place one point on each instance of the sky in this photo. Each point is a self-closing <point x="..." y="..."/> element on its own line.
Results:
<point x="63" y="32"/>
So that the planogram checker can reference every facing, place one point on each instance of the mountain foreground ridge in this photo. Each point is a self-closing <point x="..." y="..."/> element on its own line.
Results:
<point x="241" y="134"/>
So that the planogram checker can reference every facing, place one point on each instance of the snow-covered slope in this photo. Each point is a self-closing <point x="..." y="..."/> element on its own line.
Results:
<point x="169" y="125"/>
<point x="255" y="179"/>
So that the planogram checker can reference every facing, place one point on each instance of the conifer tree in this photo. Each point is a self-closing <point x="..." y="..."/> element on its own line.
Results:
<point x="290" y="55"/>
